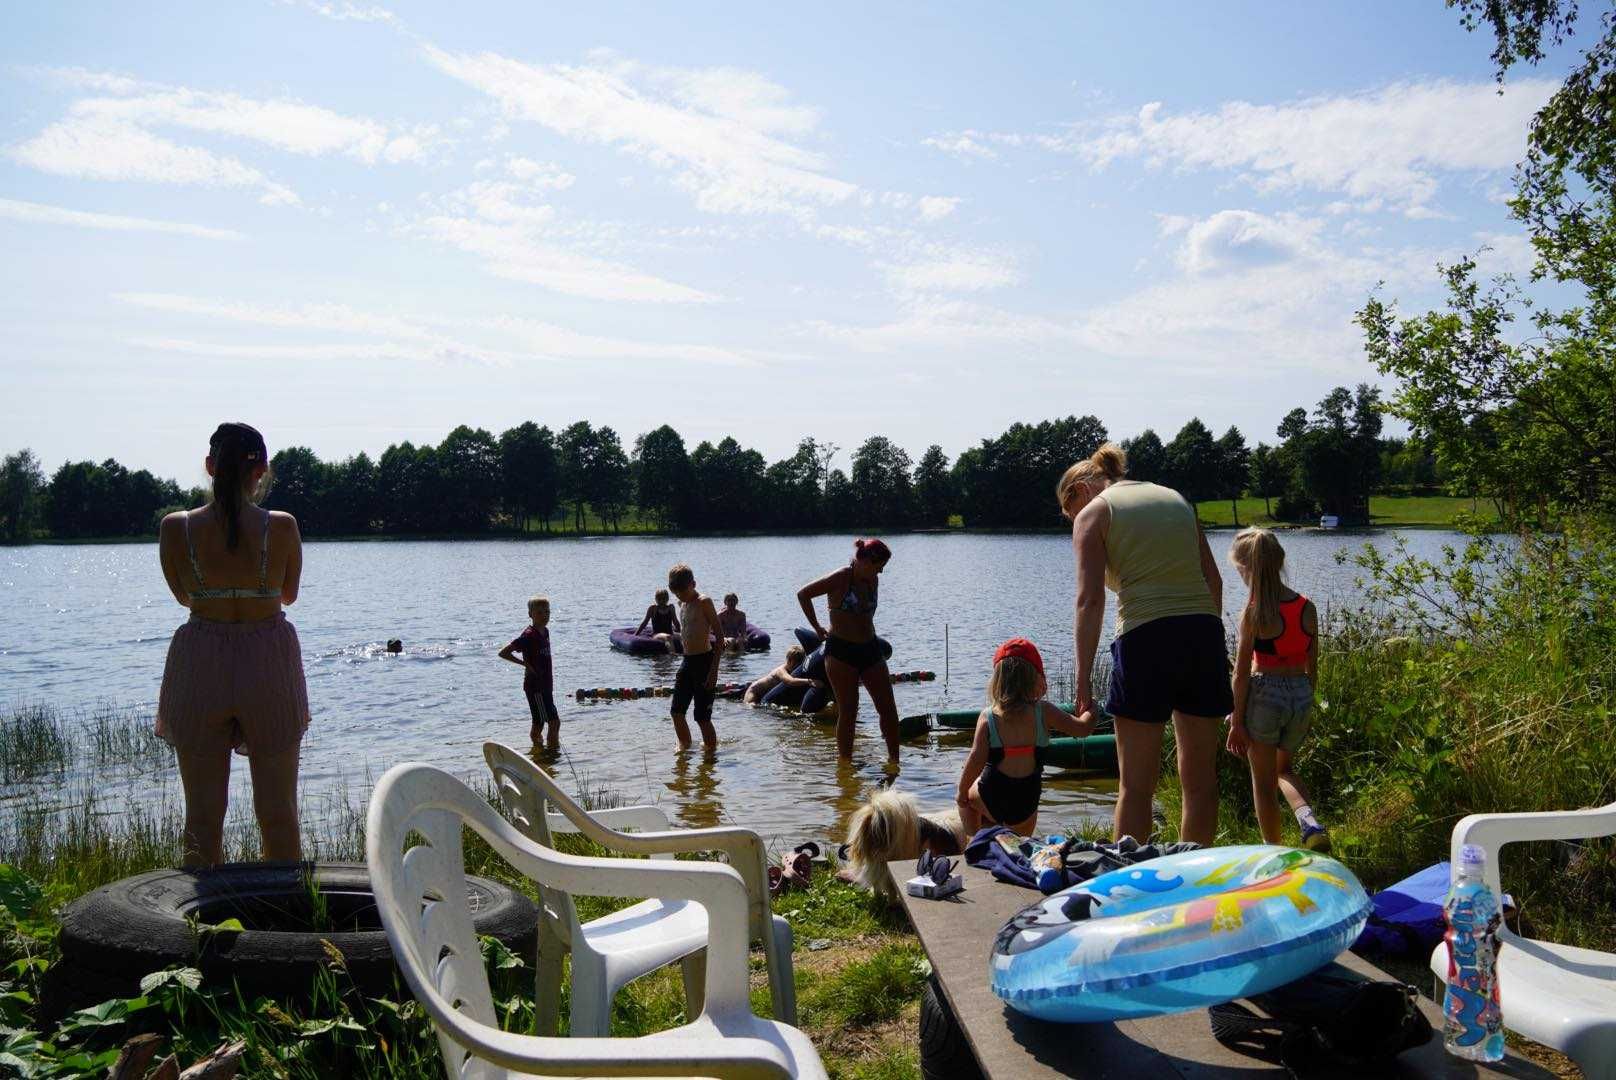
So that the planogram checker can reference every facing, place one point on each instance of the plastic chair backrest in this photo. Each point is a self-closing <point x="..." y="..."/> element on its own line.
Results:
<point x="422" y="886"/>
<point x="524" y="801"/>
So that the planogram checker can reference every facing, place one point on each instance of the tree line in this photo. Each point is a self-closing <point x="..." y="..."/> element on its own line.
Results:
<point x="533" y="479"/>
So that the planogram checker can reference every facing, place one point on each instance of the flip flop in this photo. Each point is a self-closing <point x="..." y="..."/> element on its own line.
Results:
<point x="777" y="881"/>
<point x="796" y="869"/>
<point x="815" y="854"/>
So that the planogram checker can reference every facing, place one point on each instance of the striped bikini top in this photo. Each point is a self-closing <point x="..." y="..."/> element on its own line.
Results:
<point x="202" y="592"/>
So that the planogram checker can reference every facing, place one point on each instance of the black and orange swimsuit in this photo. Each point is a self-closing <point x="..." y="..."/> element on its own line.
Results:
<point x="1011" y="800"/>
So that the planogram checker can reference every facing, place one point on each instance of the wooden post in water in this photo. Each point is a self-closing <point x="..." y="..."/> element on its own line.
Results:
<point x="945" y="658"/>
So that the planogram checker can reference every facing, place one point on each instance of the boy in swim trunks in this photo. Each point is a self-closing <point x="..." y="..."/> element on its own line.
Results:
<point x="538" y="683"/>
<point x="698" y="672"/>
<point x="732" y="623"/>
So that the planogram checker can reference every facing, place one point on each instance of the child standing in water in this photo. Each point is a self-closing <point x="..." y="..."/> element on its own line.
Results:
<point x="533" y="645"/>
<point x="698" y="672"/>
<point x="661" y="619"/>
<point x="1003" y="778"/>
<point x="1275" y="669"/>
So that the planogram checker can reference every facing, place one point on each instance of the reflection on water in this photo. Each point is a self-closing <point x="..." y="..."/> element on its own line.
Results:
<point x="88" y="625"/>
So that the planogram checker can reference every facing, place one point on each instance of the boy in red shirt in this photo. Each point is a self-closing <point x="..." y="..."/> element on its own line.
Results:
<point x="533" y="643"/>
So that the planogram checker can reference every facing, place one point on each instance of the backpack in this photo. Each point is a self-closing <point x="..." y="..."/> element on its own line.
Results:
<point x="1334" y="1016"/>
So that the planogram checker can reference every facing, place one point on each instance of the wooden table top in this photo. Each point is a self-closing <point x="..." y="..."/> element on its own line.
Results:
<point x="958" y="933"/>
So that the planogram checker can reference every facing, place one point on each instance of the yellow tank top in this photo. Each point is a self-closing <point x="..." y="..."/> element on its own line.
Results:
<point x="1153" y="555"/>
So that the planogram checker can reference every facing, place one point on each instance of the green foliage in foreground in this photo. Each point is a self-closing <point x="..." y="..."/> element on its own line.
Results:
<point x="1485" y="682"/>
<point x="859" y="969"/>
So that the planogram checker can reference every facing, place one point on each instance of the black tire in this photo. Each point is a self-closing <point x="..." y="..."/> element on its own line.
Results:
<point x="944" y="1052"/>
<point x="113" y="936"/>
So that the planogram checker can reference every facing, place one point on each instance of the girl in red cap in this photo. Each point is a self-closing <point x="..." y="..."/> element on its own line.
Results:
<point x="1003" y="778"/>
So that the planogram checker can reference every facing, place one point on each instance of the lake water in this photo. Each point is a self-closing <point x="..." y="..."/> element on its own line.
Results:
<point x="87" y="625"/>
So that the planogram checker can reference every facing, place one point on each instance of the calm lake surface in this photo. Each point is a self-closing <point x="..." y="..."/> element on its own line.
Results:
<point x="82" y="626"/>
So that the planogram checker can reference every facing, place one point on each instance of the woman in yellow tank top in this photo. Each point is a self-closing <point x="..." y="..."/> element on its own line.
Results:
<point x="1168" y="656"/>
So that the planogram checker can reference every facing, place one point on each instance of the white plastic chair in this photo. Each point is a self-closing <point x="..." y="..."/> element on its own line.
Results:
<point x="1557" y="995"/>
<point x="616" y="949"/>
<point x="413" y="846"/>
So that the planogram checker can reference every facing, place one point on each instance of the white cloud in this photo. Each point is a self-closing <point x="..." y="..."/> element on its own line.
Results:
<point x="720" y="131"/>
<point x="539" y="174"/>
<point x="1240" y="239"/>
<point x="346" y="11"/>
<point x="942" y="269"/>
<point x="1389" y="144"/>
<point x="396" y="337"/>
<point x="936" y="207"/>
<point x="114" y="137"/>
<point x="39" y="213"/>
<point x="519" y="240"/>
<point x="1386" y="147"/>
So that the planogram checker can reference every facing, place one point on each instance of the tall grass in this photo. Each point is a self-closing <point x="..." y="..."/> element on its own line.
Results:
<point x="1482" y="681"/>
<point x="34" y="743"/>
<point x="124" y="736"/>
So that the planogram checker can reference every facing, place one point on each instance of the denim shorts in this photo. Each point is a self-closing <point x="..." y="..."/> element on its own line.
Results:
<point x="1279" y="710"/>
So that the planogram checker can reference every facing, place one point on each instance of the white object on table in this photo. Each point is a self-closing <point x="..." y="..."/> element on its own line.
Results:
<point x="923" y="886"/>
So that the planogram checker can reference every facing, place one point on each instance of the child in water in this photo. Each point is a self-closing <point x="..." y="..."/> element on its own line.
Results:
<point x="732" y="623"/>
<point x="662" y="620"/>
<point x="780" y="676"/>
<point x="1003" y="778"/>
<point x="698" y="673"/>
<point x="533" y="644"/>
<point x="1275" y="668"/>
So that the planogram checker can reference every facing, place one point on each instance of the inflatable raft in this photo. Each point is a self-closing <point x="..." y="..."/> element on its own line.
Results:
<point x="1180" y="932"/>
<point x="624" y="639"/>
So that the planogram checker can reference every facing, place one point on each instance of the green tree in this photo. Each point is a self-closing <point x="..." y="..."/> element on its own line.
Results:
<point x="933" y="487"/>
<point x="70" y="502"/>
<point x="300" y="488"/>
<point x="1147" y="458"/>
<point x="22" y="490"/>
<point x="1234" y="466"/>
<point x="795" y="486"/>
<point x="1338" y="454"/>
<point x="354" y="501"/>
<point x="882" y="491"/>
<point x="469" y="469"/>
<point x="609" y="479"/>
<point x="729" y="484"/>
<point x="527" y="462"/>
<point x="575" y="450"/>
<point x="1266" y="477"/>
<point x="398" y="488"/>
<point x="1193" y="468"/>
<point x="663" y="482"/>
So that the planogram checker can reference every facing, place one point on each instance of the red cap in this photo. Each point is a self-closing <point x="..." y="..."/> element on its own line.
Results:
<point x="1021" y="649"/>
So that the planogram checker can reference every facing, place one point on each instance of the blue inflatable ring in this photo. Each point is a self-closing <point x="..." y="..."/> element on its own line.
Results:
<point x="1180" y="932"/>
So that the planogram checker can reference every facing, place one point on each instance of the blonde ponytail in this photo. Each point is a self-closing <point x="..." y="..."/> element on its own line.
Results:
<point x="1109" y="463"/>
<point x="1257" y="551"/>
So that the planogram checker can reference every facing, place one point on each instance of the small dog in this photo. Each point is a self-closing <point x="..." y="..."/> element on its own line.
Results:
<point x="891" y="827"/>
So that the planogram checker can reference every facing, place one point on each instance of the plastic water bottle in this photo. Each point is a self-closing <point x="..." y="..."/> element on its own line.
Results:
<point x="1473" y="1024"/>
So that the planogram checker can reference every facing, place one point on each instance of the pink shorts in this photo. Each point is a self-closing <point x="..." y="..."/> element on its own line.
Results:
<point x="235" y="685"/>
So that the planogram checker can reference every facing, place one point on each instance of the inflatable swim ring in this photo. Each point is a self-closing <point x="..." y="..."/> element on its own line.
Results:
<point x="1180" y="932"/>
<point x="626" y="640"/>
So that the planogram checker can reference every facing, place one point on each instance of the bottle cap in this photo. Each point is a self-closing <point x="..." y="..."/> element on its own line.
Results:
<point x="1472" y="856"/>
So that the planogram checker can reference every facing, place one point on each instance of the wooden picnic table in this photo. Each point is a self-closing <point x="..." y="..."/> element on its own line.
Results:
<point x="958" y="933"/>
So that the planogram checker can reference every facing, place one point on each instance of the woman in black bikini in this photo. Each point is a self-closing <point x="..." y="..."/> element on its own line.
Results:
<point x="662" y="620"/>
<point x="852" y="653"/>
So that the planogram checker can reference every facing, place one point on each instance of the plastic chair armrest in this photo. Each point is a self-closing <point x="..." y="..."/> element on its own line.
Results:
<point x="645" y="818"/>
<point x="1493" y="831"/>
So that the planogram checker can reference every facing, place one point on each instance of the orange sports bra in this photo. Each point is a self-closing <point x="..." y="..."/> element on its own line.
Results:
<point x="1289" y="647"/>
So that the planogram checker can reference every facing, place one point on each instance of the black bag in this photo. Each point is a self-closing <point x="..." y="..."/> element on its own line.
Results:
<point x="1332" y="1017"/>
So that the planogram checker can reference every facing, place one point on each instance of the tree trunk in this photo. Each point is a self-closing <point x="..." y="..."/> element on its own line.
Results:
<point x="1234" y="504"/>
<point x="1268" y="507"/>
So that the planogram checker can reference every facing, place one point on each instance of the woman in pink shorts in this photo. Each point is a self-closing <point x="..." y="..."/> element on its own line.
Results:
<point x="234" y="677"/>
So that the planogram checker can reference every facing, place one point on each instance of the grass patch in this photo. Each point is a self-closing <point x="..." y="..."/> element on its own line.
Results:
<point x="1385" y="511"/>
<point x="34" y="743"/>
<point x="869" y="990"/>
<point x="125" y="736"/>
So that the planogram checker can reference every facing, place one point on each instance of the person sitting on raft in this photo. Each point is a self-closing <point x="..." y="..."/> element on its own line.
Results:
<point x="662" y="619"/>
<point x="732" y="623"/>
<point x="780" y="676"/>
<point x="1003" y="778"/>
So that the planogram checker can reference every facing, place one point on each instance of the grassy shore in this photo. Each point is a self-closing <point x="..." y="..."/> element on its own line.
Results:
<point x="1385" y="512"/>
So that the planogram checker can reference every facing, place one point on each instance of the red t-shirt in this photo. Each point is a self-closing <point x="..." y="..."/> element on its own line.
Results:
<point x="533" y="646"/>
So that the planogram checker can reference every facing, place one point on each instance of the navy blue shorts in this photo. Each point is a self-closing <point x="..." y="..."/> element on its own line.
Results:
<point x="1178" y="663"/>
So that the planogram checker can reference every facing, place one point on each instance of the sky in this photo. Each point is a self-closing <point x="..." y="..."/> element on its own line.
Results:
<point x="351" y="224"/>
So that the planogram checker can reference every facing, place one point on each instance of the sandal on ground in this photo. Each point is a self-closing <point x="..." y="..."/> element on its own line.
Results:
<point x="796" y="868"/>
<point x="816" y="854"/>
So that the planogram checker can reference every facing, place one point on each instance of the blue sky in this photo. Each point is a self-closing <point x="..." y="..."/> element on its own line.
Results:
<point x="353" y="224"/>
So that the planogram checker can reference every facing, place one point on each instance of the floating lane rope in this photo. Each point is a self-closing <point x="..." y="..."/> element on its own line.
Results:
<point x="723" y="690"/>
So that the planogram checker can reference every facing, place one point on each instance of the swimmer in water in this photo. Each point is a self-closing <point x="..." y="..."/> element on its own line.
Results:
<point x="732" y="623"/>
<point x="394" y="645"/>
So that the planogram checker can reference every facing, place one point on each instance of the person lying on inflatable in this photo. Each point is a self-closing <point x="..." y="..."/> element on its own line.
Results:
<point x="784" y="675"/>
<point x="662" y="619"/>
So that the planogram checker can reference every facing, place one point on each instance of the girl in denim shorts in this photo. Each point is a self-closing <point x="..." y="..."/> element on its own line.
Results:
<point x="1274" y="673"/>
